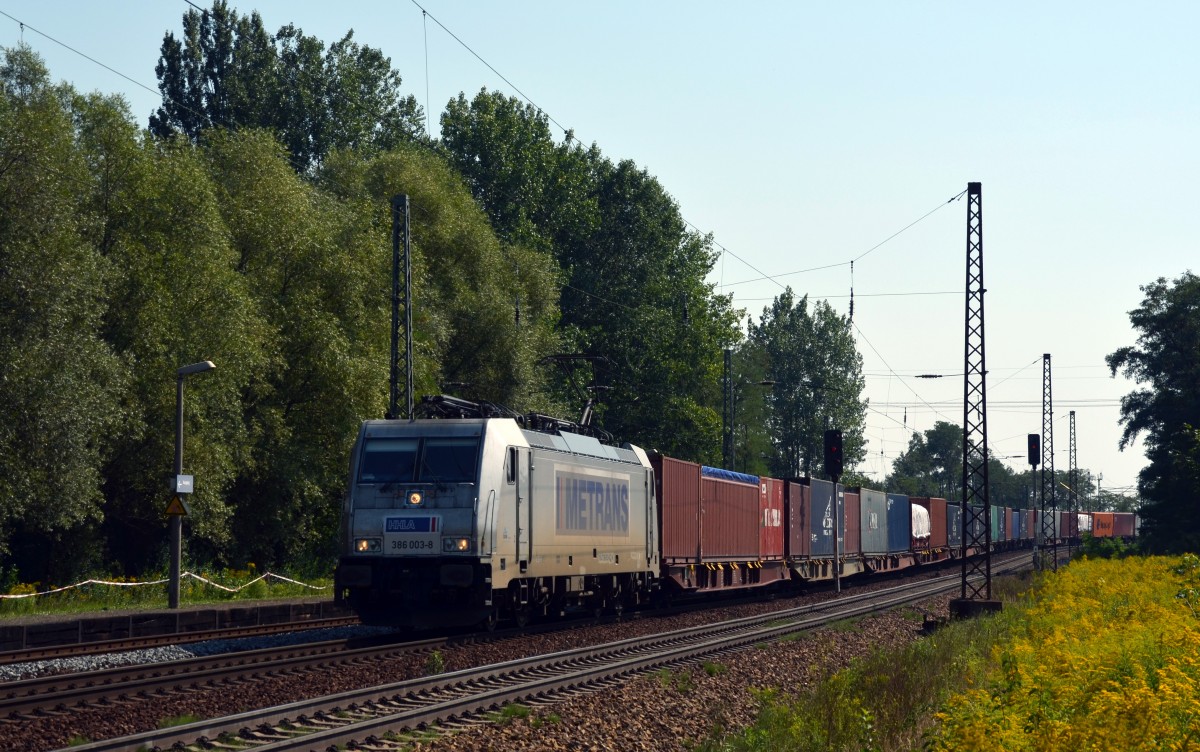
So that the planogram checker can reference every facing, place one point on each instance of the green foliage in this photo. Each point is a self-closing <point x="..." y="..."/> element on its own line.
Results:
<point x="932" y="464"/>
<point x="469" y="282"/>
<point x="882" y="702"/>
<point x="818" y="382"/>
<point x="1188" y="572"/>
<point x="1101" y="548"/>
<point x="714" y="669"/>
<point x="511" y="712"/>
<point x="1166" y="409"/>
<point x="239" y="584"/>
<point x="1105" y="659"/>
<point x="228" y="72"/>
<point x="61" y="383"/>
<point x="636" y="294"/>
<point x="435" y="663"/>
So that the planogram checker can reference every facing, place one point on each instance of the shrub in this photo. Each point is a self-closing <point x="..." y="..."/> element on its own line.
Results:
<point x="1109" y="658"/>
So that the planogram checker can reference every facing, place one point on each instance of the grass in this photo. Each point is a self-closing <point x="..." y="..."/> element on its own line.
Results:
<point x="177" y="720"/>
<point x="883" y="702"/>
<point x="509" y="713"/>
<point x="846" y="625"/>
<point x="681" y="681"/>
<point x="135" y="594"/>
<point x="714" y="669"/>
<point x="435" y="663"/>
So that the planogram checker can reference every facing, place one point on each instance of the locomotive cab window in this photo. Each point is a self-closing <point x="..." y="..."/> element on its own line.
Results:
<point x="450" y="460"/>
<point x="388" y="461"/>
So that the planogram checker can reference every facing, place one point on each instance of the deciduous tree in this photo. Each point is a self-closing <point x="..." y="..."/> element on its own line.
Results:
<point x="818" y="382"/>
<point x="227" y="72"/>
<point x="1166" y="409"/>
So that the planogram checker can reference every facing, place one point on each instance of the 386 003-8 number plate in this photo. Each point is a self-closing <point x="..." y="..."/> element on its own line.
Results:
<point x="411" y="535"/>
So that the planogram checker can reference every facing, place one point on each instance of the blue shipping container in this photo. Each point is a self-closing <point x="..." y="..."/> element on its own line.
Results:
<point x="821" y="514"/>
<point x="899" y="523"/>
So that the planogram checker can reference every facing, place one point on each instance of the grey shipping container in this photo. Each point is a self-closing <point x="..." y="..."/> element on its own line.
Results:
<point x="899" y="523"/>
<point x="873" y="521"/>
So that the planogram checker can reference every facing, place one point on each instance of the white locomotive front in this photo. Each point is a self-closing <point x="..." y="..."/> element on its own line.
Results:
<point x="463" y="521"/>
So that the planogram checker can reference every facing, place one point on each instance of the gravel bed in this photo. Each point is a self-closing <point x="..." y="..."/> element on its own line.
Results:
<point x="665" y="719"/>
<point x="675" y="712"/>
<point x="165" y="653"/>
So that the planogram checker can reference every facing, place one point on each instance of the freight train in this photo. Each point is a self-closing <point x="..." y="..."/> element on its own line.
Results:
<point x="471" y="514"/>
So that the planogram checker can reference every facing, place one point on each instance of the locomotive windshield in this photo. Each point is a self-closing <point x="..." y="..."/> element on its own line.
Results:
<point x="450" y="460"/>
<point x="442" y="460"/>
<point x="388" y="461"/>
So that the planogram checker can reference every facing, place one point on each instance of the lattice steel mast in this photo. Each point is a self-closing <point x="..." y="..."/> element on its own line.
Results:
<point x="976" y="509"/>
<point x="1073" y="482"/>
<point x="401" y="299"/>
<point x="1049" y="502"/>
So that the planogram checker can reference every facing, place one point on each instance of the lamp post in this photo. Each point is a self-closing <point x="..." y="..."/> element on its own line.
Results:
<point x="177" y="519"/>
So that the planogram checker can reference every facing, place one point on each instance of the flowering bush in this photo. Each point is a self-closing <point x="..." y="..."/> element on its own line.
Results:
<point x="1107" y="659"/>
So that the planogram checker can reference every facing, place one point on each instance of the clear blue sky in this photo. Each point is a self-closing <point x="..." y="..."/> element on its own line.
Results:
<point x="804" y="134"/>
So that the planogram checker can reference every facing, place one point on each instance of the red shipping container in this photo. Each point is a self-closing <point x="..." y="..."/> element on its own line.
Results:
<point x="1068" y="524"/>
<point x="1124" y="524"/>
<point x="1102" y="524"/>
<point x="1028" y="529"/>
<point x="852" y="543"/>
<point x="678" y="486"/>
<point x="937" y="518"/>
<point x="729" y="526"/>
<point x="796" y="504"/>
<point x="770" y="541"/>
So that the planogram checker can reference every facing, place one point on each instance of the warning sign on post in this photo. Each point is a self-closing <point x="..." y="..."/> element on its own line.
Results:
<point x="177" y="506"/>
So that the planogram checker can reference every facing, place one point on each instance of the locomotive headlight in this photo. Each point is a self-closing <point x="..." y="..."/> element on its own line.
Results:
<point x="368" y="545"/>
<point x="456" y="545"/>
<point x="414" y="498"/>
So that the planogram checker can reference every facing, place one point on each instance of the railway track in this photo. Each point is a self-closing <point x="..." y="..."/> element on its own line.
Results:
<point x="389" y="711"/>
<point x="96" y="647"/>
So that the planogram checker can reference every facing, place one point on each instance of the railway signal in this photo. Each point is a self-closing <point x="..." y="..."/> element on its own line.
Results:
<point x="833" y="454"/>
<point x="1035" y="449"/>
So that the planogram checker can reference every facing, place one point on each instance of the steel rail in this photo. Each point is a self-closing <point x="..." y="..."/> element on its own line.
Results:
<point x="483" y="688"/>
<point x="97" y="647"/>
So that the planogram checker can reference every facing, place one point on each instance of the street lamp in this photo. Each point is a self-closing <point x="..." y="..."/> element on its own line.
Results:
<point x="177" y="519"/>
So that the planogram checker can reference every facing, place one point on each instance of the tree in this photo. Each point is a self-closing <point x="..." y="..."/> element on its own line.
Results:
<point x="179" y="298"/>
<point x="818" y="379"/>
<point x="635" y="296"/>
<point x="932" y="464"/>
<point x="228" y="72"/>
<point x="60" y="382"/>
<point x="1166" y="358"/>
<point x="484" y="311"/>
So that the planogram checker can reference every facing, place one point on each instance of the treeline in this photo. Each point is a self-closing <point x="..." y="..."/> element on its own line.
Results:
<point x="226" y="233"/>
<point x="932" y="466"/>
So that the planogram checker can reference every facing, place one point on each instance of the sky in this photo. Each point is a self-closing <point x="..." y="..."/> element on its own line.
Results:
<point x="805" y="135"/>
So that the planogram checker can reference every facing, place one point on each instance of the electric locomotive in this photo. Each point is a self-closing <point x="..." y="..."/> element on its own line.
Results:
<point x="474" y="514"/>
